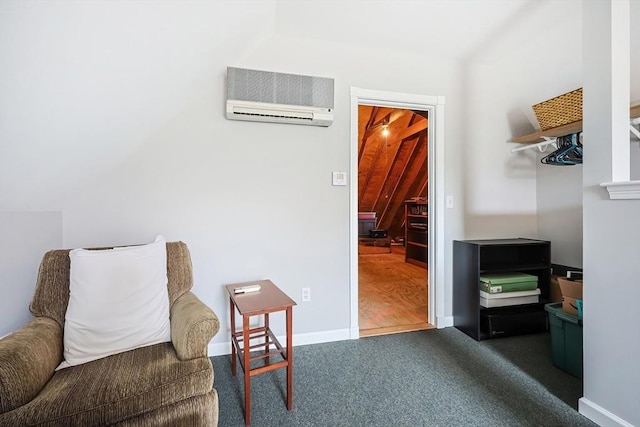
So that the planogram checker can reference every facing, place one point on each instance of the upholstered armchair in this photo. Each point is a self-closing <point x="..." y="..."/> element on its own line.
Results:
<point x="170" y="383"/>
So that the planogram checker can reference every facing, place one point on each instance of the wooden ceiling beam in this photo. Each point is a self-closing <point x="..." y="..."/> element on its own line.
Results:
<point x="401" y="175"/>
<point x="388" y="173"/>
<point x="414" y="129"/>
<point x="396" y="143"/>
<point x="370" y="123"/>
<point x="370" y="172"/>
<point x="376" y="127"/>
<point x="410" y="170"/>
<point x="397" y="182"/>
<point x="387" y="119"/>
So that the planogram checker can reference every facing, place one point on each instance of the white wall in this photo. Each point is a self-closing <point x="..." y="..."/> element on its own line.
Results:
<point x="124" y="131"/>
<point x="113" y="113"/>
<point x="558" y="193"/>
<point x="26" y="236"/>
<point x="635" y="160"/>
<point x="505" y="76"/>
<point x="544" y="66"/>
<point x="560" y="211"/>
<point x="611" y="227"/>
<point x="559" y="189"/>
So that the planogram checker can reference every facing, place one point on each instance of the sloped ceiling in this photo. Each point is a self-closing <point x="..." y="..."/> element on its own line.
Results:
<point x="393" y="167"/>
<point x="464" y="29"/>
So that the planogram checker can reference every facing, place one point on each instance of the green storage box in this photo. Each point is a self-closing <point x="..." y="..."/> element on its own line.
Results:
<point x="502" y="278"/>
<point x="566" y="339"/>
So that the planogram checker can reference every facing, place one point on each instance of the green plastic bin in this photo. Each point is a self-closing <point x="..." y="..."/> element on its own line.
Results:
<point x="566" y="339"/>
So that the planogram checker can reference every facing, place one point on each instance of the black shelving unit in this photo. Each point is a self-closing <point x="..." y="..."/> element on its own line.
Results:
<point x="416" y="237"/>
<point x="473" y="258"/>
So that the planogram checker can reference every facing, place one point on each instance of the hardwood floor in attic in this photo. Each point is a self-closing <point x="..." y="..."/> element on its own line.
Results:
<point x="392" y="293"/>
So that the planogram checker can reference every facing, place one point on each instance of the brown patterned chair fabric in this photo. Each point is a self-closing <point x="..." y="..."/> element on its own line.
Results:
<point x="162" y="384"/>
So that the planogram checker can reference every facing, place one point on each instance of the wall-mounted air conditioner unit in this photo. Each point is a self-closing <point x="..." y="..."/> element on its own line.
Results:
<point x="265" y="96"/>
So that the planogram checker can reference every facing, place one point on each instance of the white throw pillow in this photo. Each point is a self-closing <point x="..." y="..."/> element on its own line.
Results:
<point x="118" y="301"/>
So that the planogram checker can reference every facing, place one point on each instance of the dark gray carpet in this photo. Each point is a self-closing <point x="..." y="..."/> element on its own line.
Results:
<point x="427" y="378"/>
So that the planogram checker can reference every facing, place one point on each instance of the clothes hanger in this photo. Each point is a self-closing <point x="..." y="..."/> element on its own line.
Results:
<point x="569" y="152"/>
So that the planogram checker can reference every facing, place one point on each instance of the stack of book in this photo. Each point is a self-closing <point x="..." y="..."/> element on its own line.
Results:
<point x="506" y="289"/>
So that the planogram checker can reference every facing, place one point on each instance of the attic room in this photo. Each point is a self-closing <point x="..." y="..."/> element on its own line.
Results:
<point x="113" y="130"/>
<point x="392" y="220"/>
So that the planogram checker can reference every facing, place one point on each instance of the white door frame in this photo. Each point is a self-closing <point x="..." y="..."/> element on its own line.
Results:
<point x="434" y="105"/>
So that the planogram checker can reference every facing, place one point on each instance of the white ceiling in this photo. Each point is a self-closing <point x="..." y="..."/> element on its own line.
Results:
<point x="460" y="29"/>
<point x="464" y="30"/>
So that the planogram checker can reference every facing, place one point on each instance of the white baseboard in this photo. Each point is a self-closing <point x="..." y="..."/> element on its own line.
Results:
<point x="355" y="333"/>
<point x="320" y="337"/>
<point x="599" y="415"/>
<point x="220" y="349"/>
<point x="444" y="321"/>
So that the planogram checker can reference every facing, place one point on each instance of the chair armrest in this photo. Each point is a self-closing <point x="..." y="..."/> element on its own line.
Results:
<point x="28" y="359"/>
<point x="193" y="325"/>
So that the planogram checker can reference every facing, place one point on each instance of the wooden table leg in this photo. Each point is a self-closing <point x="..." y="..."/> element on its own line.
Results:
<point x="247" y="369"/>
<point x="232" y="308"/>
<point x="266" y="342"/>
<point x="289" y="359"/>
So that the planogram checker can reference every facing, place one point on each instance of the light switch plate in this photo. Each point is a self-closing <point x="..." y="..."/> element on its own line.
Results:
<point x="339" y="178"/>
<point x="449" y="201"/>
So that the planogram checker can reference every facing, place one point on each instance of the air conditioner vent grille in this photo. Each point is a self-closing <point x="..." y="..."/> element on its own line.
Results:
<point x="279" y="88"/>
<point x="274" y="115"/>
<point x="264" y="96"/>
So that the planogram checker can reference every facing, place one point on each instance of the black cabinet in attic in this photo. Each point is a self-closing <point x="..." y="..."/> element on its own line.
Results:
<point x="476" y="259"/>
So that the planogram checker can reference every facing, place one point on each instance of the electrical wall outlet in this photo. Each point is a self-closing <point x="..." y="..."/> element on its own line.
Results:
<point x="306" y="294"/>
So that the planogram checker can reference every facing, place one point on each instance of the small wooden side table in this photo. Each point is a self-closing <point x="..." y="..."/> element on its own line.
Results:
<point x="268" y="299"/>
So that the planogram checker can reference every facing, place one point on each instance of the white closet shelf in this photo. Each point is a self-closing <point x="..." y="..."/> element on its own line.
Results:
<point x="539" y="136"/>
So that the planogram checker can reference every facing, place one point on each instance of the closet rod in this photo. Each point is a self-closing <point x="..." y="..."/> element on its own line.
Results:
<point x="540" y="145"/>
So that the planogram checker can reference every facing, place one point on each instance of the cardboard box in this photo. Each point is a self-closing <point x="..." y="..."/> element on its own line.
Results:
<point x="554" y="290"/>
<point x="571" y="292"/>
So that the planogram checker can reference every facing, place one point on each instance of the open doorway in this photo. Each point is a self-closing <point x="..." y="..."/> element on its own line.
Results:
<point x="434" y="106"/>
<point x="392" y="219"/>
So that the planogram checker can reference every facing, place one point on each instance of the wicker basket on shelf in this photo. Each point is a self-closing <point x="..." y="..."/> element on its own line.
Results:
<point x="561" y="110"/>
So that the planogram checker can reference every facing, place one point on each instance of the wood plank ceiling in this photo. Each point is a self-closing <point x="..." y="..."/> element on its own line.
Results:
<point x="391" y="168"/>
